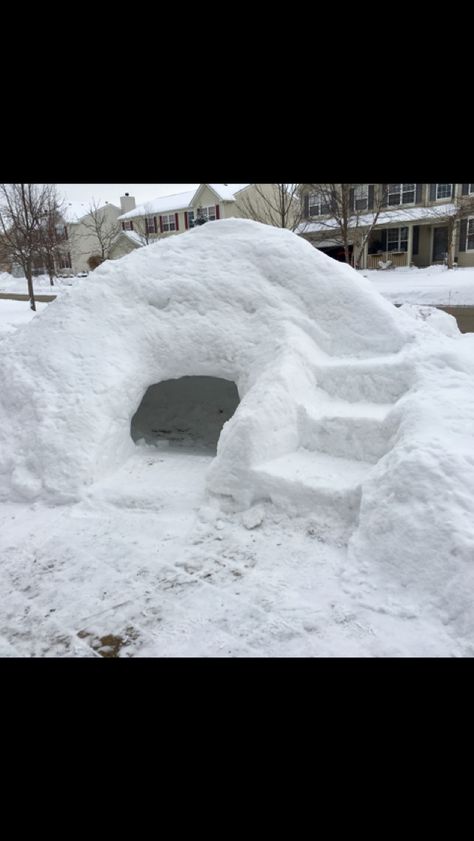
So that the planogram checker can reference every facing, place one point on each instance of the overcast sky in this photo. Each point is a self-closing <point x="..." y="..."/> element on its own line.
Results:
<point x="112" y="192"/>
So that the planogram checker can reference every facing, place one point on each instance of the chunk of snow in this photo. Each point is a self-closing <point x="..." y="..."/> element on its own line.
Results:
<point x="253" y="517"/>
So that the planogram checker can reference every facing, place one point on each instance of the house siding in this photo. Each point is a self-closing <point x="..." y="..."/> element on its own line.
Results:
<point x="82" y="243"/>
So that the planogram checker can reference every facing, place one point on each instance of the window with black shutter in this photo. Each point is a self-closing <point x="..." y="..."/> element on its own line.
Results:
<point x="401" y="194"/>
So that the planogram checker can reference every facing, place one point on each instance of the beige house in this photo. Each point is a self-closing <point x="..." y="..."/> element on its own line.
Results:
<point x="411" y="228"/>
<point x="169" y="215"/>
<point x="85" y="236"/>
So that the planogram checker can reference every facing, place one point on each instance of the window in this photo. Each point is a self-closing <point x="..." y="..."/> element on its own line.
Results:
<point x="361" y="197"/>
<point x="397" y="239"/>
<point x="64" y="261"/>
<point x="191" y="218"/>
<point x="208" y="213"/>
<point x="316" y="205"/>
<point x="401" y="194"/>
<point x="127" y="225"/>
<point x="150" y="222"/>
<point x="168" y="222"/>
<point x="470" y="233"/>
<point x="471" y="188"/>
<point x="443" y="191"/>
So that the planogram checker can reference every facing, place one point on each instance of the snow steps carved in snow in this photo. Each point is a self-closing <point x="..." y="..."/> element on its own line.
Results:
<point x="340" y="439"/>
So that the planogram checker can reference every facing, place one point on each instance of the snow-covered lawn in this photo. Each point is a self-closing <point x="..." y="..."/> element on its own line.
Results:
<point x="435" y="285"/>
<point x="15" y="313"/>
<point x="41" y="285"/>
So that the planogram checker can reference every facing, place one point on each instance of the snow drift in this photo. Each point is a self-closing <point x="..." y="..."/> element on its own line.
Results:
<point x="346" y="403"/>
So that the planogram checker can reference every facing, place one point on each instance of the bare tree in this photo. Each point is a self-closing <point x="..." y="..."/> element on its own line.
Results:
<point x="53" y="233"/>
<point x="274" y="204"/>
<point x="349" y="212"/>
<point x="23" y="209"/>
<point x="103" y="229"/>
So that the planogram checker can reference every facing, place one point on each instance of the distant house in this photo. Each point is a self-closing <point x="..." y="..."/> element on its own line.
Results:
<point x="411" y="228"/>
<point x="170" y="215"/>
<point x="81" y="242"/>
<point x="179" y="212"/>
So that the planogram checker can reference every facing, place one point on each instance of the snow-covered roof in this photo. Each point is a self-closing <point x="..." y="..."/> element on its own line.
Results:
<point x="409" y="214"/>
<point x="162" y="204"/>
<point x="181" y="201"/>
<point x="133" y="236"/>
<point x="227" y="192"/>
<point x="74" y="211"/>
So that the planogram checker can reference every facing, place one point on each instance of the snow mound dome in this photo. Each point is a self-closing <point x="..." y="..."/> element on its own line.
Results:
<point x="233" y="299"/>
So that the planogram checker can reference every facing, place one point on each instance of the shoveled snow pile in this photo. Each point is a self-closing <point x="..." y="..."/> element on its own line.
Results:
<point x="351" y="410"/>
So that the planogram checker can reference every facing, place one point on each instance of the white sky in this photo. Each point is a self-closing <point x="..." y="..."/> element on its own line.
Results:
<point x="112" y="192"/>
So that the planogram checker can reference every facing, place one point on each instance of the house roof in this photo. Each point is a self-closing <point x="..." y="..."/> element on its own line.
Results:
<point x="227" y="192"/>
<point x="74" y="211"/>
<point x="409" y="214"/>
<point x="162" y="204"/>
<point x="132" y="236"/>
<point x="182" y="201"/>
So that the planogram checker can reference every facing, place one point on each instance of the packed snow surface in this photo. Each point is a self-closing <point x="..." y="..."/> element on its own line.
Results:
<point x="354" y="417"/>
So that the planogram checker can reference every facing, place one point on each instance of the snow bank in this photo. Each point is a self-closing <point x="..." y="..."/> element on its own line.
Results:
<point x="435" y="285"/>
<point x="417" y="505"/>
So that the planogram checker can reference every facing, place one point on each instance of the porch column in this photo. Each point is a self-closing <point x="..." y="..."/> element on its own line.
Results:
<point x="364" y="256"/>
<point x="410" y="245"/>
<point x="453" y="243"/>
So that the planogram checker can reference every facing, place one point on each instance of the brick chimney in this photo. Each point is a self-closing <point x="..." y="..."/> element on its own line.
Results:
<point x="127" y="202"/>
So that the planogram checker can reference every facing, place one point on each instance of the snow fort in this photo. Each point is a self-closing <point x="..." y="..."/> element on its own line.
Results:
<point x="317" y="394"/>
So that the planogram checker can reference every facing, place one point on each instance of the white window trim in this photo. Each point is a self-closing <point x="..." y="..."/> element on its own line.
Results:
<point x="469" y="219"/>
<point x="207" y="208"/>
<point x="318" y="203"/>
<point x="444" y="198"/>
<point x="470" y="192"/>
<point x="401" y="203"/>
<point x="365" y="189"/>
<point x="168" y="216"/>
<point x="400" y="240"/>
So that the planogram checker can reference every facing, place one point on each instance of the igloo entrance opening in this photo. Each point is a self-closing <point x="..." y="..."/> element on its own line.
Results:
<point x="187" y="412"/>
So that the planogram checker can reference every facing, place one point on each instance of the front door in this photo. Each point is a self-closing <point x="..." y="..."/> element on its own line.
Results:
<point x="440" y="244"/>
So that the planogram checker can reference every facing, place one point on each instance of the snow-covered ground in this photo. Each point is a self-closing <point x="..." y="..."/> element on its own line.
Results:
<point x="144" y="561"/>
<point x="15" y="313"/>
<point x="148" y="566"/>
<point x="41" y="284"/>
<point x="435" y="285"/>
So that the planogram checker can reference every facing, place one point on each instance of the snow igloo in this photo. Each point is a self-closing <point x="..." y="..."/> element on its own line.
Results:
<point x="322" y="397"/>
<point x="234" y="301"/>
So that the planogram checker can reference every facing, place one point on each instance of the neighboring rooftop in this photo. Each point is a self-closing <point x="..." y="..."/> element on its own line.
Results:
<point x="74" y="211"/>
<point x="181" y="201"/>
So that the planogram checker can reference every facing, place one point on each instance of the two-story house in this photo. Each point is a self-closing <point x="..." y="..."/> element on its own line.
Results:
<point x="396" y="224"/>
<point x="173" y="214"/>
